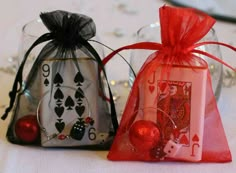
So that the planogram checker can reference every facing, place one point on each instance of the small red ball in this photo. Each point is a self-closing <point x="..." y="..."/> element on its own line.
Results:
<point x="27" y="129"/>
<point x="144" y="135"/>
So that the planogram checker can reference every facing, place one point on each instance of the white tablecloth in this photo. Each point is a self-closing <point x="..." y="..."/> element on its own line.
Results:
<point x="117" y="21"/>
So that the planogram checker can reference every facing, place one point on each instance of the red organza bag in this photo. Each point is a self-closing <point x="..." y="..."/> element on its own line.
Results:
<point x="171" y="113"/>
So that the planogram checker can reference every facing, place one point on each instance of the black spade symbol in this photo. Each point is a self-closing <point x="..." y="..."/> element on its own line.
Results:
<point x="79" y="94"/>
<point x="69" y="103"/>
<point x="79" y="78"/>
<point x="80" y="110"/>
<point x="46" y="82"/>
<point x="58" y="80"/>
<point x="59" y="111"/>
<point x="58" y="95"/>
<point x="60" y="125"/>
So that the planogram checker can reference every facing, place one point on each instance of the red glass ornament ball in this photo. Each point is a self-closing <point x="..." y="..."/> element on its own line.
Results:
<point x="27" y="129"/>
<point x="144" y="135"/>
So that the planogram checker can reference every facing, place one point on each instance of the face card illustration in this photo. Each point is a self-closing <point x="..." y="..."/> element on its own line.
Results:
<point x="174" y="110"/>
<point x="181" y="104"/>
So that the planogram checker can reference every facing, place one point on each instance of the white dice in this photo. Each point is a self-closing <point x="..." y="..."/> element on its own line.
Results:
<point x="171" y="149"/>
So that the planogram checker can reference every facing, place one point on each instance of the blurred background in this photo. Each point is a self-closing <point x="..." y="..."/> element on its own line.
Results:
<point x="115" y="19"/>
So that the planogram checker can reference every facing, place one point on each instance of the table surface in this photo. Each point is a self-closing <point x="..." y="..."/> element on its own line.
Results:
<point x="117" y="21"/>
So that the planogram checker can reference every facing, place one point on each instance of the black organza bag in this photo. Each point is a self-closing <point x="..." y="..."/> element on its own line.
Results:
<point x="62" y="103"/>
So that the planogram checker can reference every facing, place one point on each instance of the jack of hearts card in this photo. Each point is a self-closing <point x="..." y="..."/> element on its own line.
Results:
<point x="180" y="103"/>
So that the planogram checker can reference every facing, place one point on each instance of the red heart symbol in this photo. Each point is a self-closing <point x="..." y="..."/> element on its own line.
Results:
<point x="195" y="138"/>
<point x="184" y="140"/>
<point x="151" y="88"/>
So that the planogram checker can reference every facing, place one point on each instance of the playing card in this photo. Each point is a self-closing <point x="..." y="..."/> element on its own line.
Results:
<point x="70" y="110"/>
<point x="180" y="101"/>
